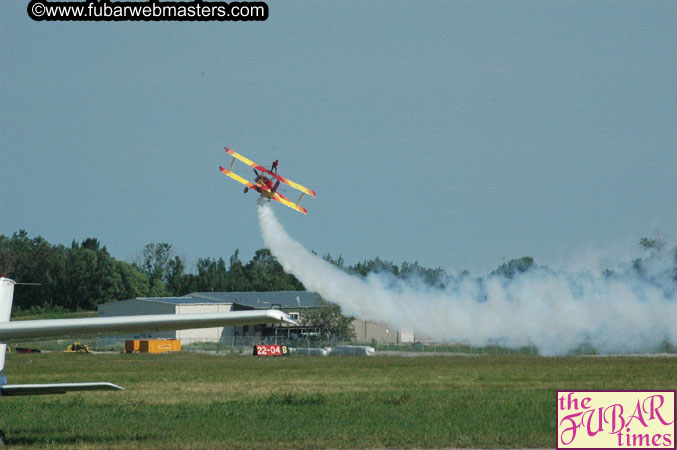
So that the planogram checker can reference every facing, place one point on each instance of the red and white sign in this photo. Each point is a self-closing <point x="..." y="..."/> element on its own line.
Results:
<point x="271" y="350"/>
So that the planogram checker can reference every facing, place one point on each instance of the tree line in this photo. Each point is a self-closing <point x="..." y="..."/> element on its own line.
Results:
<point x="84" y="275"/>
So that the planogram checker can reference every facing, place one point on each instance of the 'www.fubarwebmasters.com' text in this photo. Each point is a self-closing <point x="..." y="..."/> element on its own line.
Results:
<point x="152" y="10"/>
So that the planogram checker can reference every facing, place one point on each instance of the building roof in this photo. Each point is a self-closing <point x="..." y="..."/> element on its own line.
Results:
<point x="287" y="299"/>
<point x="182" y="300"/>
<point x="261" y="300"/>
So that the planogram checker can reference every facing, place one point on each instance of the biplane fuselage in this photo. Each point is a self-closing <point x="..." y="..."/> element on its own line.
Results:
<point x="263" y="183"/>
<point x="265" y="186"/>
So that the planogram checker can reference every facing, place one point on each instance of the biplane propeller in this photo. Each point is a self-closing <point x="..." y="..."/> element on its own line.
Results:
<point x="263" y="182"/>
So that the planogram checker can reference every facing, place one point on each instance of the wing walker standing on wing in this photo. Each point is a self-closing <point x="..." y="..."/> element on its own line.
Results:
<point x="264" y="185"/>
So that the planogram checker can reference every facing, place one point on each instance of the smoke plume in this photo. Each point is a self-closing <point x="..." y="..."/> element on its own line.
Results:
<point x="622" y="311"/>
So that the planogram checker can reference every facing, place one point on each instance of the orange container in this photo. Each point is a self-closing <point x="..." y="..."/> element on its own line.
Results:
<point x="159" y="345"/>
<point x="131" y="346"/>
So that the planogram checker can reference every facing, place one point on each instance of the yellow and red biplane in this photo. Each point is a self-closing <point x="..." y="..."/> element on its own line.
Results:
<point x="263" y="182"/>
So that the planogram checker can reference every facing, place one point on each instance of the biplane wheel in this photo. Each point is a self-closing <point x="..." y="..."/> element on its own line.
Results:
<point x="2" y="437"/>
<point x="246" y="190"/>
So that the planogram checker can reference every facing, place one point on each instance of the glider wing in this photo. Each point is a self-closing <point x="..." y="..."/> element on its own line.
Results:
<point x="30" y="330"/>
<point x="55" y="388"/>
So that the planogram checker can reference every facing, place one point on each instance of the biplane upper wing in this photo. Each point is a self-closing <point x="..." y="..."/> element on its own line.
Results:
<point x="251" y="163"/>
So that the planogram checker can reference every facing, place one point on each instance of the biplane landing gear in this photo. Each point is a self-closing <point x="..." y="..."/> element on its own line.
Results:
<point x="246" y="190"/>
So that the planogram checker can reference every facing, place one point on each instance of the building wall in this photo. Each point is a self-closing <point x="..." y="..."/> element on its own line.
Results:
<point x="407" y="335"/>
<point x="136" y="307"/>
<point x="368" y="331"/>
<point x="204" y="334"/>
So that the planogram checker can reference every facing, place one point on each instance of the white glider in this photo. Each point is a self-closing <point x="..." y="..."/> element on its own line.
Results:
<point x="28" y="330"/>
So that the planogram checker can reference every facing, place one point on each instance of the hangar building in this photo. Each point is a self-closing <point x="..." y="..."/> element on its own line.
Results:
<point x="294" y="303"/>
<point x="177" y="305"/>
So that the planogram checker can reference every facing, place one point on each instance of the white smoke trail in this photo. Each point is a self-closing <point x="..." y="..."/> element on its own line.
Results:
<point x="555" y="311"/>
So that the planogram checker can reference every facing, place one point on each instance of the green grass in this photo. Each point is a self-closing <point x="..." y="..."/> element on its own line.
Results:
<point x="454" y="348"/>
<point x="190" y="400"/>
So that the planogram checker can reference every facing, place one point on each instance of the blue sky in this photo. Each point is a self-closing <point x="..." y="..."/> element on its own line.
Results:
<point x="451" y="133"/>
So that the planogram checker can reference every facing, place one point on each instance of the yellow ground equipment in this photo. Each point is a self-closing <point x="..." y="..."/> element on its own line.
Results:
<point x="77" y="347"/>
<point x="152" y="345"/>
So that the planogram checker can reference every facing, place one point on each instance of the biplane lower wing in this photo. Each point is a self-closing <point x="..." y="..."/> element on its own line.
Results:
<point x="258" y="167"/>
<point x="285" y="201"/>
<point x="238" y="178"/>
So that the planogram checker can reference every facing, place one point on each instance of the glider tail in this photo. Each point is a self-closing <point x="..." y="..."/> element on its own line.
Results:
<point x="6" y="297"/>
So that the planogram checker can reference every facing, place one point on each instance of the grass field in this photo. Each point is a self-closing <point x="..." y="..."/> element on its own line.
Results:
<point x="189" y="400"/>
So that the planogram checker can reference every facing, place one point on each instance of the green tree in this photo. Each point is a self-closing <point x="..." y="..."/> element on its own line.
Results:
<point x="338" y="262"/>
<point x="91" y="276"/>
<point x="7" y="256"/>
<point x="433" y="277"/>
<point x="237" y="280"/>
<point x="211" y="275"/>
<point x="154" y="262"/>
<point x="654" y="245"/>
<point x="327" y="317"/>
<point x="34" y="261"/>
<point x="79" y="277"/>
<point x="176" y="279"/>
<point x="514" y="266"/>
<point x="133" y="283"/>
<point x="266" y="274"/>
<point x="374" y="265"/>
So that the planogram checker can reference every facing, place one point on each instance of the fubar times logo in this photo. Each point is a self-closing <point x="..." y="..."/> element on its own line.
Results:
<point x="615" y="419"/>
